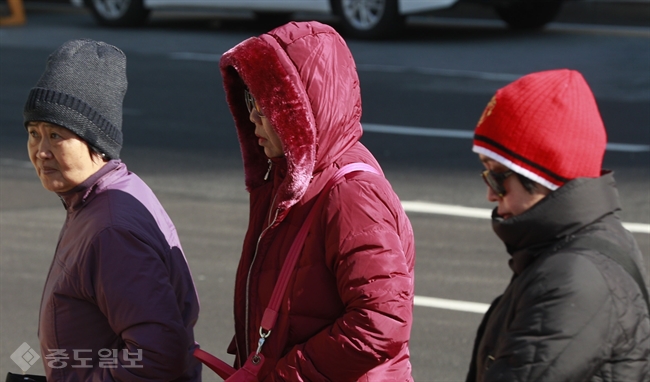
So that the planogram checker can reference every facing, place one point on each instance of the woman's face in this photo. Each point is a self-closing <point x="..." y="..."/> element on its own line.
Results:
<point x="266" y="136"/>
<point x="516" y="199"/>
<point x="62" y="160"/>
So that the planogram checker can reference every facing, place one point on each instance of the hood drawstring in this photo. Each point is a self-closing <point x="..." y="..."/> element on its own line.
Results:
<point x="266" y="177"/>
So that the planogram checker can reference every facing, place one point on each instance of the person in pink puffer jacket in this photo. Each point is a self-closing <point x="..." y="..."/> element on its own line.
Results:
<point x="347" y="312"/>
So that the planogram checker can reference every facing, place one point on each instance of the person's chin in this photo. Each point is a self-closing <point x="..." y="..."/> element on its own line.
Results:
<point x="49" y="187"/>
<point x="54" y="185"/>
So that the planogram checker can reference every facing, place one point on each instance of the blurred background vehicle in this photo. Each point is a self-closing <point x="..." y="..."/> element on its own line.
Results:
<point x="358" y="18"/>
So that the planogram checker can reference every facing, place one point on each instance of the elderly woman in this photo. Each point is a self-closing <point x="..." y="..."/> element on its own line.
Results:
<point x="119" y="302"/>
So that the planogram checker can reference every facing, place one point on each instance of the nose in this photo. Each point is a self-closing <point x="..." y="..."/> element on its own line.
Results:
<point x="491" y="195"/>
<point x="44" y="149"/>
<point x="254" y="116"/>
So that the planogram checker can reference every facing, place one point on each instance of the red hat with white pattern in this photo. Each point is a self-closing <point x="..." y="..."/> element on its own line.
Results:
<point x="545" y="126"/>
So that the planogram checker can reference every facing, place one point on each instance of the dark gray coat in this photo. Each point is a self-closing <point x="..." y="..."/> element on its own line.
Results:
<point x="569" y="314"/>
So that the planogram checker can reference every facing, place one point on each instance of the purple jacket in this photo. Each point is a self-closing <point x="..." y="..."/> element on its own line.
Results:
<point x="119" y="302"/>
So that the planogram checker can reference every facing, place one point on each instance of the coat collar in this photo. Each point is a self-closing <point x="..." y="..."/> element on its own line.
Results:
<point x="75" y="198"/>
<point x="564" y="212"/>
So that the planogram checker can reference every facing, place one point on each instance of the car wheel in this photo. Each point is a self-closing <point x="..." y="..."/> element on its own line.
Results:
<point x="528" y="14"/>
<point x="369" y="18"/>
<point x="125" y="13"/>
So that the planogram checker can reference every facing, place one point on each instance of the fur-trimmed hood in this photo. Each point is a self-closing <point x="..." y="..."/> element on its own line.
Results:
<point x="304" y="77"/>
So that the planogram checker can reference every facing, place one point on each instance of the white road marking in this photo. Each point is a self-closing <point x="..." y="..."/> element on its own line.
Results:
<point x="420" y="207"/>
<point x="446" y="209"/>
<point x="190" y="56"/>
<point x="490" y="76"/>
<point x="627" y="147"/>
<point x="409" y="206"/>
<point x="637" y="227"/>
<point x="469" y="134"/>
<point x="484" y="213"/>
<point x="418" y="131"/>
<point x="441" y="303"/>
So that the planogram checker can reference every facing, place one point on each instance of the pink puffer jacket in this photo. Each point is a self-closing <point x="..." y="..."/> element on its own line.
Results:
<point x="347" y="312"/>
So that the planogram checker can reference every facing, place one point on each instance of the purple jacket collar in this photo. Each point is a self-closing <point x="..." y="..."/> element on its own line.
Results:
<point x="75" y="198"/>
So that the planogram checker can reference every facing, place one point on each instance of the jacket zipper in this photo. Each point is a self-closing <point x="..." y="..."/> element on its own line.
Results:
<point x="250" y="269"/>
<point x="266" y="176"/>
<point x="248" y="278"/>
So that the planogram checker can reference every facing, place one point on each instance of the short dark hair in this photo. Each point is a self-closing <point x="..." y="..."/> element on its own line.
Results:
<point x="529" y="185"/>
<point x="95" y="152"/>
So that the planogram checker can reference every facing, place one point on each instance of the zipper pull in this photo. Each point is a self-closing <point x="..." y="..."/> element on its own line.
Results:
<point x="266" y="177"/>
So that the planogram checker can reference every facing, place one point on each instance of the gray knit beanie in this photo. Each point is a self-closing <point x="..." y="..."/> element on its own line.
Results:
<point x="82" y="89"/>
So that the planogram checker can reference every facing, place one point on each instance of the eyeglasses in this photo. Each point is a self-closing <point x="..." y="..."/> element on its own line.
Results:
<point x="252" y="104"/>
<point x="495" y="180"/>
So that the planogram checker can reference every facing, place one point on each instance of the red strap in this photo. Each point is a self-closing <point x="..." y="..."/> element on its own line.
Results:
<point x="271" y="312"/>
<point x="218" y="366"/>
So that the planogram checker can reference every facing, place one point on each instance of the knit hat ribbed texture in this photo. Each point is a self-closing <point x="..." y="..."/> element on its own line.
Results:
<point x="545" y="126"/>
<point x="82" y="89"/>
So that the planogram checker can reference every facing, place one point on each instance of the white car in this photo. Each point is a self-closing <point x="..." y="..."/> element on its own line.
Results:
<point x="359" y="18"/>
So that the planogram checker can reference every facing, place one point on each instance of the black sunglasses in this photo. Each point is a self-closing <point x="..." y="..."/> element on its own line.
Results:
<point x="252" y="104"/>
<point x="495" y="180"/>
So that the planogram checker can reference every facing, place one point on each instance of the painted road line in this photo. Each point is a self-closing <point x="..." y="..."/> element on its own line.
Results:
<point x="501" y="77"/>
<point x="484" y="213"/>
<point x="418" y="131"/>
<point x="637" y="227"/>
<point x="191" y="56"/>
<point x="469" y="134"/>
<point x="409" y="206"/>
<point x="627" y="147"/>
<point x="441" y="303"/>
<point x="421" y="207"/>
<point x="446" y="209"/>
<point x="490" y="76"/>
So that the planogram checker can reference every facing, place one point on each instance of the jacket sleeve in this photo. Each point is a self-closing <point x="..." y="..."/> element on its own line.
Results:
<point x="375" y="283"/>
<point x="562" y="324"/>
<point x="133" y="290"/>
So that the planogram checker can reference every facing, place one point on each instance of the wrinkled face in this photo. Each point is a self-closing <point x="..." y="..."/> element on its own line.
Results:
<point x="266" y="136"/>
<point x="516" y="199"/>
<point x="62" y="160"/>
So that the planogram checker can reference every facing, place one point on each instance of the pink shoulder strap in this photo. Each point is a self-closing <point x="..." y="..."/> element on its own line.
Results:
<point x="271" y="312"/>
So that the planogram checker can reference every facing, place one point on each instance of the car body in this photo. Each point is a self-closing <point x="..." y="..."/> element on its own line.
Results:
<point x="359" y="18"/>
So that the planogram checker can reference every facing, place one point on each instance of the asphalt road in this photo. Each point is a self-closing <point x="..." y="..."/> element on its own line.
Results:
<point x="179" y="137"/>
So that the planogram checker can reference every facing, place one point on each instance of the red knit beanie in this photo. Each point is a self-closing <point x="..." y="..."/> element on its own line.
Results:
<point x="544" y="126"/>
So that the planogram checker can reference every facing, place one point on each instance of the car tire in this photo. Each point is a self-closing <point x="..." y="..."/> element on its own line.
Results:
<point x="369" y="19"/>
<point x="528" y="14"/>
<point x="118" y="13"/>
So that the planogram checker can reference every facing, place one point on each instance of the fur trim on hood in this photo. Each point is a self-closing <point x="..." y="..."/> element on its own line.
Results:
<point x="304" y="77"/>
